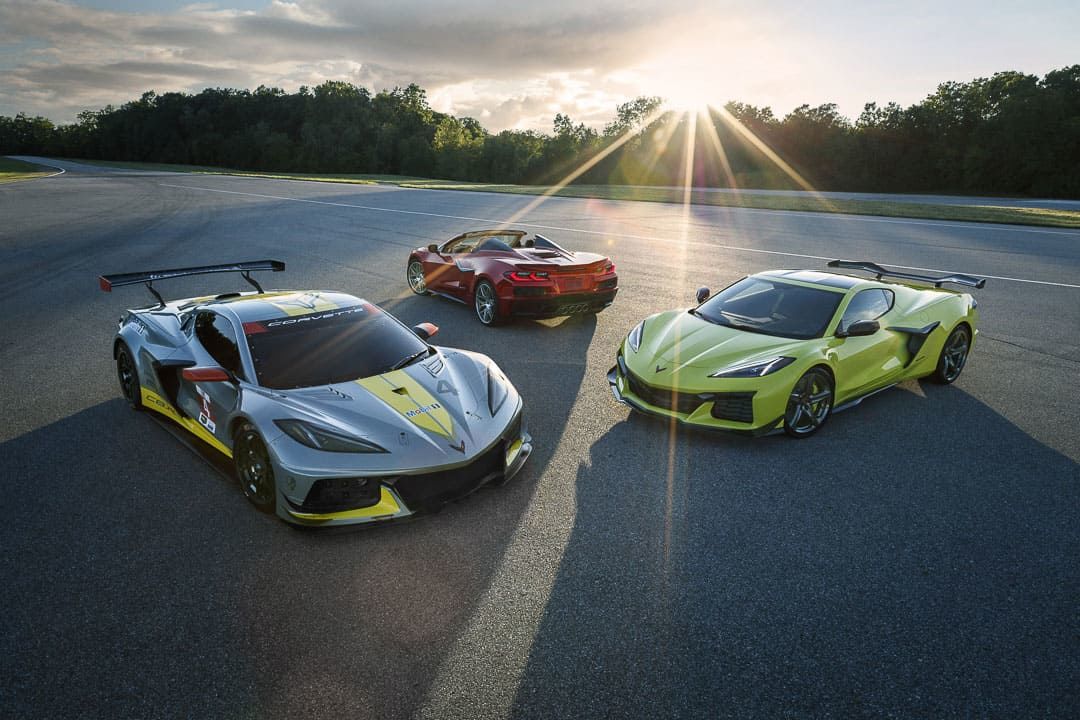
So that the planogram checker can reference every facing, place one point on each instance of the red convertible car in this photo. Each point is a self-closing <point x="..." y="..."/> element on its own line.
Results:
<point x="503" y="274"/>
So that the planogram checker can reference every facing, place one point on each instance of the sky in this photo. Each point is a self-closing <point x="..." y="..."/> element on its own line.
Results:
<point x="516" y="64"/>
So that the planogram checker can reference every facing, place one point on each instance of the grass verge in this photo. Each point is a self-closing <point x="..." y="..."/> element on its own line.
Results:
<point x="16" y="170"/>
<point x="207" y="170"/>
<point x="1047" y="217"/>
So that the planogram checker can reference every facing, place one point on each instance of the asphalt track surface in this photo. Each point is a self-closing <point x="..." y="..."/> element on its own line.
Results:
<point x="917" y="558"/>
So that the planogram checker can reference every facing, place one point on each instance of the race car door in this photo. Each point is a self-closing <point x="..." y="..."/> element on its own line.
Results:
<point x="211" y="404"/>
<point x="871" y="361"/>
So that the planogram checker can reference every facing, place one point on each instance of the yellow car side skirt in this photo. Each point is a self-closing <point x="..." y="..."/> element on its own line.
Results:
<point x="158" y="404"/>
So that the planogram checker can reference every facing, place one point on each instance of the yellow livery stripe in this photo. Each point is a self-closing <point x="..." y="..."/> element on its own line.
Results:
<point x="304" y="304"/>
<point x="512" y="451"/>
<point x="155" y="402"/>
<point x="387" y="505"/>
<point x="409" y="398"/>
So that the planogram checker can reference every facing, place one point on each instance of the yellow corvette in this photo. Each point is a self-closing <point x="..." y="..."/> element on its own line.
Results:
<point x="784" y="349"/>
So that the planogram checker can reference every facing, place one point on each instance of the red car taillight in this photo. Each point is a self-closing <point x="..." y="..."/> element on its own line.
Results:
<point x="526" y="276"/>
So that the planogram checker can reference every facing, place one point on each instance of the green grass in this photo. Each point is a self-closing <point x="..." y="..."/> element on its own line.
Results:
<point x="748" y="199"/>
<point x="16" y="170"/>
<point x="1048" y="217"/>
<point x="208" y="170"/>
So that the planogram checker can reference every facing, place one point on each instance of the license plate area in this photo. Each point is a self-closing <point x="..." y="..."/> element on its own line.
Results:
<point x="571" y="284"/>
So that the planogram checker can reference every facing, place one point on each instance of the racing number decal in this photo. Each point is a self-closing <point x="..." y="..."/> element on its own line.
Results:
<point x="206" y="415"/>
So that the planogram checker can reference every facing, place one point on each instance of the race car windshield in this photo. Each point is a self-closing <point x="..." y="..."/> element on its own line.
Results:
<point x="329" y="347"/>
<point x="772" y="308"/>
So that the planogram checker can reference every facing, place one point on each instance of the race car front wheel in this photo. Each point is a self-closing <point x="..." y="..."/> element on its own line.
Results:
<point x="809" y="404"/>
<point x="128" y="375"/>
<point x="254" y="469"/>
<point x="953" y="355"/>
<point x="415" y="275"/>
<point x="486" y="303"/>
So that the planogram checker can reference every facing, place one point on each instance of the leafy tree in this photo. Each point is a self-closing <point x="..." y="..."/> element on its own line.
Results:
<point x="1011" y="133"/>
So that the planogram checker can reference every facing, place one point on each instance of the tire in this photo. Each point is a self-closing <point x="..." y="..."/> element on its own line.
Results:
<point x="953" y="356"/>
<point x="414" y="275"/>
<point x="254" y="469"/>
<point x="127" y="372"/>
<point x="486" y="304"/>
<point x="810" y="403"/>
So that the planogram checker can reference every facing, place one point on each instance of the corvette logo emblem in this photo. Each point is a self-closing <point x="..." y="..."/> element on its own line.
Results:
<point x="660" y="369"/>
<point x="460" y="448"/>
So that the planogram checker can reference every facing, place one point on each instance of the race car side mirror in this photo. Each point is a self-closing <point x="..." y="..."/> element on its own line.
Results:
<point x="702" y="294"/>
<point x="433" y="248"/>
<point x="206" y="374"/>
<point x="860" y="329"/>
<point x="425" y="331"/>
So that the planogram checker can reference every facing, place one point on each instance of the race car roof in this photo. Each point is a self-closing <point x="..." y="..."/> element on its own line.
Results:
<point x="254" y="306"/>
<point x="843" y="282"/>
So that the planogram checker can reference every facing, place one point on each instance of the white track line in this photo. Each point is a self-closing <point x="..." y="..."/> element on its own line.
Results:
<point x="647" y="238"/>
<point x="44" y="164"/>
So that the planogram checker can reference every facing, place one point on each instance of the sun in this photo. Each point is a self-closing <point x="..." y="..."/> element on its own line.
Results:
<point x="686" y="77"/>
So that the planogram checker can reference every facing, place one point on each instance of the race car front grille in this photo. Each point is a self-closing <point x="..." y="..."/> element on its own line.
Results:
<point x="340" y="494"/>
<point x="430" y="490"/>
<point x="726" y="406"/>
<point x="734" y="406"/>
<point x="683" y="404"/>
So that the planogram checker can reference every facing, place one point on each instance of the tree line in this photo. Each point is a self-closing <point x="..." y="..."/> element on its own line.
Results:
<point x="1010" y="134"/>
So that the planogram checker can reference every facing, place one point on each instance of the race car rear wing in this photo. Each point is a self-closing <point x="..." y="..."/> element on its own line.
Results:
<point x="108" y="282"/>
<point x="881" y="272"/>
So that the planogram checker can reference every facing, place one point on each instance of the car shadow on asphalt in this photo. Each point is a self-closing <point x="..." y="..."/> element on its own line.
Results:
<point x="139" y="581"/>
<point x="859" y="572"/>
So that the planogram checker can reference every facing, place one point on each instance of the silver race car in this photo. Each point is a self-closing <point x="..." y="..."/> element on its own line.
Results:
<point x="332" y="411"/>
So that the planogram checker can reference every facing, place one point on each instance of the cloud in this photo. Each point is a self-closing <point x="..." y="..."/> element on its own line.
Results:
<point x="512" y="67"/>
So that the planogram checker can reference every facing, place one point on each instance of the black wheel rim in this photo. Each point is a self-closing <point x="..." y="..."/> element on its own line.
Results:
<point x="954" y="354"/>
<point x="485" y="303"/>
<point x="416" y="277"/>
<point x="253" y="466"/>
<point x="125" y="371"/>
<point x="809" y="404"/>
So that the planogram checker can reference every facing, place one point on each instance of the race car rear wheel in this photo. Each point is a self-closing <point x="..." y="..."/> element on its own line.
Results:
<point x="953" y="355"/>
<point x="414" y="273"/>
<point x="810" y="403"/>
<point x="128" y="374"/>
<point x="254" y="469"/>
<point x="486" y="303"/>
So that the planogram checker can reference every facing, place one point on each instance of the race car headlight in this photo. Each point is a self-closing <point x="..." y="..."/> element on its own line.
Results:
<point x="497" y="389"/>
<point x="634" y="338"/>
<point x="757" y="368"/>
<point x="325" y="439"/>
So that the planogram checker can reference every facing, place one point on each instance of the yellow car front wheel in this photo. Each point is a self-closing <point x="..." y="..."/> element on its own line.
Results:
<point x="809" y="404"/>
